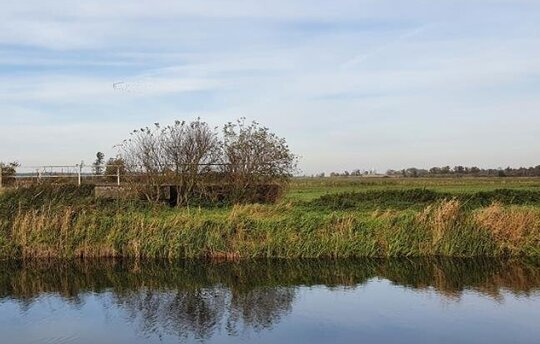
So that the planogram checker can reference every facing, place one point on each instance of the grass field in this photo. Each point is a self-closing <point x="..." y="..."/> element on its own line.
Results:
<point x="333" y="217"/>
<point x="306" y="189"/>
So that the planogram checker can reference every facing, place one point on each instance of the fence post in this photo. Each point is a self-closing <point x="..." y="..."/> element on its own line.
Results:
<point x="79" y="174"/>
<point x="118" y="176"/>
<point x="1" y="170"/>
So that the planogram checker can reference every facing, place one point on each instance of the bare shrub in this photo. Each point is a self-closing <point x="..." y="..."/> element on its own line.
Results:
<point x="145" y="162"/>
<point x="178" y="155"/>
<point x="193" y="151"/>
<point x="253" y="156"/>
<point x="250" y="163"/>
<point x="8" y="172"/>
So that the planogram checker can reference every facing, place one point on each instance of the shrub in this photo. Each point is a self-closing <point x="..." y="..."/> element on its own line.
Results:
<point x="8" y="172"/>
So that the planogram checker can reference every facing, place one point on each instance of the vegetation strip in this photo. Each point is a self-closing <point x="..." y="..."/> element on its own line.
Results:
<point x="68" y="222"/>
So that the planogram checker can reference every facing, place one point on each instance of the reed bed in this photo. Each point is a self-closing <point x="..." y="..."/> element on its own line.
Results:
<point x="444" y="228"/>
<point x="407" y="223"/>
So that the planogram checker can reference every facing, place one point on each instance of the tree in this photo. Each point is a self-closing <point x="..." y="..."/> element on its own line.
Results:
<point x="188" y="157"/>
<point x="144" y="158"/>
<point x="178" y="154"/>
<point x="435" y="170"/>
<point x="253" y="155"/>
<point x="193" y="150"/>
<point x="98" y="164"/>
<point x="445" y="170"/>
<point x="8" y="172"/>
<point x="459" y="169"/>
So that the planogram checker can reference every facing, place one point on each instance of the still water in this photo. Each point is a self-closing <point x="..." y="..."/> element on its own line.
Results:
<point x="358" y="301"/>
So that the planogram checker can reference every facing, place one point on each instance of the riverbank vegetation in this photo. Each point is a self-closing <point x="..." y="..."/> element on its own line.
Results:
<point x="381" y="219"/>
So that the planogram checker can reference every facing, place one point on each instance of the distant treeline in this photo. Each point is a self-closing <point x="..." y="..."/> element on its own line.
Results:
<point x="467" y="171"/>
<point x="458" y="171"/>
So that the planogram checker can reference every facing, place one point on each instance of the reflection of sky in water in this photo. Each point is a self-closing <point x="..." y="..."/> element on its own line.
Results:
<point x="377" y="311"/>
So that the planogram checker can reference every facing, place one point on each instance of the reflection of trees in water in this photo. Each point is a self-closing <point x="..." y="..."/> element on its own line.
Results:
<point x="198" y="298"/>
<point x="260" y="308"/>
<point x="201" y="312"/>
<point x="451" y="277"/>
<point x="24" y="280"/>
<point x="180" y="313"/>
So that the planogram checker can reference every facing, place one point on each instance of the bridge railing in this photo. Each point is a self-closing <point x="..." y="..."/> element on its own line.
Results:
<point x="77" y="174"/>
<point x="80" y="173"/>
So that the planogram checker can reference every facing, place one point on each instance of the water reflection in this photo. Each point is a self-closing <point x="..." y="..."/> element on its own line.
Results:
<point x="194" y="299"/>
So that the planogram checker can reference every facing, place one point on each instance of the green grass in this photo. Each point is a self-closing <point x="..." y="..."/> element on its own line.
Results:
<point x="374" y="218"/>
<point x="306" y="189"/>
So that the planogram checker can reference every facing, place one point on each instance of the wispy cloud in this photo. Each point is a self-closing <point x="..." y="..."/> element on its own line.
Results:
<point x="384" y="46"/>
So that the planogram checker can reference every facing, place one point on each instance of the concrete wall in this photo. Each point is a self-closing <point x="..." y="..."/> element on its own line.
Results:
<point x="114" y="192"/>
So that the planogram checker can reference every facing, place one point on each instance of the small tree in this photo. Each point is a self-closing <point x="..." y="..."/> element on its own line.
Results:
<point x="8" y="171"/>
<point x="98" y="164"/>
<point x="253" y="155"/>
<point x="178" y="154"/>
<point x="193" y="150"/>
<point x="144" y="159"/>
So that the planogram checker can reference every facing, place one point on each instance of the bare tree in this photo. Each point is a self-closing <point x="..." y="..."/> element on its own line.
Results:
<point x="186" y="156"/>
<point x="254" y="156"/>
<point x="193" y="149"/>
<point x="178" y="155"/>
<point x="145" y="161"/>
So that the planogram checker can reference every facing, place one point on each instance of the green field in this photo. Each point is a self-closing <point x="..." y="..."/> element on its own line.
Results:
<point x="331" y="218"/>
<point x="306" y="189"/>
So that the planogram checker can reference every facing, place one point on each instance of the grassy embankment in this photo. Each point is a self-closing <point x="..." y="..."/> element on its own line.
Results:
<point x="318" y="218"/>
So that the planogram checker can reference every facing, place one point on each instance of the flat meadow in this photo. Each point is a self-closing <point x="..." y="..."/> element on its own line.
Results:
<point x="306" y="188"/>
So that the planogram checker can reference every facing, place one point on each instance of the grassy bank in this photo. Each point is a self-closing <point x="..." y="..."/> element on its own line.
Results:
<point x="372" y="222"/>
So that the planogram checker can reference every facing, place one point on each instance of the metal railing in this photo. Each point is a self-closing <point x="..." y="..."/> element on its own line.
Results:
<point x="101" y="174"/>
<point x="70" y="173"/>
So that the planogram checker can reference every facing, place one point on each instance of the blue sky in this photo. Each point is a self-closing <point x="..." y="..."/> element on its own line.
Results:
<point x="351" y="84"/>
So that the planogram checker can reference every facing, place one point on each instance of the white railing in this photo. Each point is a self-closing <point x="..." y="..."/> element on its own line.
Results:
<point x="107" y="174"/>
<point x="77" y="173"/>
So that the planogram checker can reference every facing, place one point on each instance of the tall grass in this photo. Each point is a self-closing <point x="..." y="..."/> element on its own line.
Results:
<point x="412" y="223"/>
<point x="248" y="231"/>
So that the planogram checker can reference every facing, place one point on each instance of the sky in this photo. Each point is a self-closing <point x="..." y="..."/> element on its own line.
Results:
<point x="367" y="84"/>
